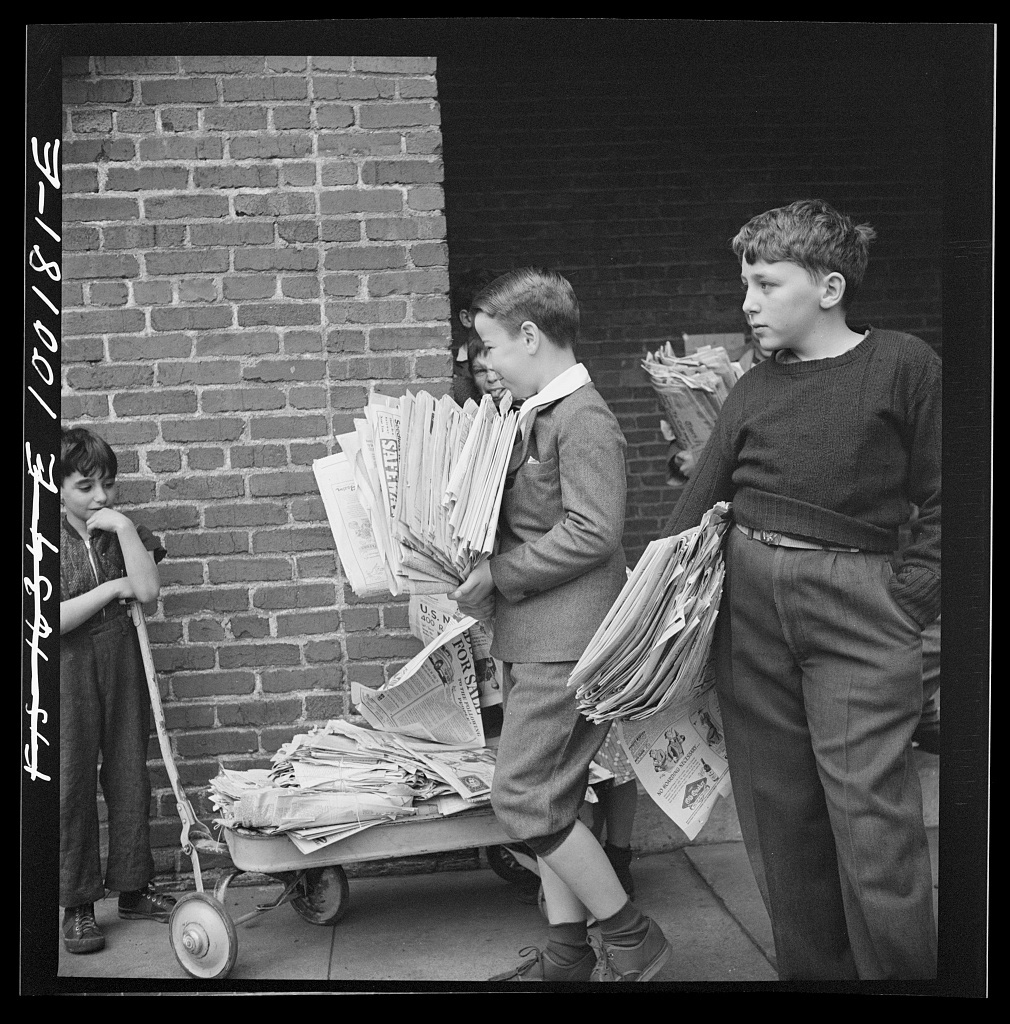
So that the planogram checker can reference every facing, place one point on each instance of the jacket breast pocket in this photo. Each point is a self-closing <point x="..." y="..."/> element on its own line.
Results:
<point x="533" y="504"/>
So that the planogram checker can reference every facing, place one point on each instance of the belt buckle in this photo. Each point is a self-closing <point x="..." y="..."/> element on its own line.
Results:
<point x="769" y="537"/>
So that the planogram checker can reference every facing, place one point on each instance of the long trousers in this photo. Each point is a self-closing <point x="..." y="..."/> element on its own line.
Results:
<point x="819" y="676"/>
<point x="931" y="673"/>
<point x="105" y="713"/>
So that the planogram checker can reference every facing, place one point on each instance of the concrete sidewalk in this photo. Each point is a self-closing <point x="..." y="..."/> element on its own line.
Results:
<point x="463" y="926"/>
<point x="460" y="926"/>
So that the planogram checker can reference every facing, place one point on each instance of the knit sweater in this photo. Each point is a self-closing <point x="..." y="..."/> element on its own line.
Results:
<point x="835" y="450"/>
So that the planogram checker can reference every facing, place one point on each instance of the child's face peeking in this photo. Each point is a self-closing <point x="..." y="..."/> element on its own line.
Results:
<point x="489" y="382"/>
<point x="84" y="495"/>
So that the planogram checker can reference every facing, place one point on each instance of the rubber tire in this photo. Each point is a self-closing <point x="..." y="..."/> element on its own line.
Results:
<point x="326" y="895"/>
<point x="203" y="936"/>
<point x="506" y="867"/>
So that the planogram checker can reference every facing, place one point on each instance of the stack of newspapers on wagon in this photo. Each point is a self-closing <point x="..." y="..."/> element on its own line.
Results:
<point x="413" y="496"/>
<point x="421" y="751"/>
<point x="341" y="778"/>
<point x="648" y="669"/>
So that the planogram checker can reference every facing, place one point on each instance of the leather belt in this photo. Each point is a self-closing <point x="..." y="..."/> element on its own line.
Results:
<point x="783" y="540"/>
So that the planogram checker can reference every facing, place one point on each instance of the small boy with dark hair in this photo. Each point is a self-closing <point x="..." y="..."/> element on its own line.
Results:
<point x="559" y="567"/>
<point x="822" y="450"/>
<point x="104" y="706"/>
<point x="488" y="382"/>
<point x="464" y="383"/>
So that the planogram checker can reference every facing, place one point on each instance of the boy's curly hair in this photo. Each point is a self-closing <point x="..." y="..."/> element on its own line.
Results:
<point x="82" y="451"/>
<point x="813" y="235"/>
<point x="533" y="293"/>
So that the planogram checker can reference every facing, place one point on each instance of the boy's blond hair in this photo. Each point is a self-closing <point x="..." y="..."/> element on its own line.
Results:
<point x="814" y="236"/>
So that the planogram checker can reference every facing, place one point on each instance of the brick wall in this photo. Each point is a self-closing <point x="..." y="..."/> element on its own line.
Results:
<point x="629" y="166"/>
<point x="251" y="245"/>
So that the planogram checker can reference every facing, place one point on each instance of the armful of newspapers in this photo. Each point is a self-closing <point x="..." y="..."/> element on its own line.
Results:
<point x="413" y="496"/>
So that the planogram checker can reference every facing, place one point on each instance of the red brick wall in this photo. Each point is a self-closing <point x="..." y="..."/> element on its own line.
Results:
<point x="251" y="246"/>
<point x="629" y="167"/>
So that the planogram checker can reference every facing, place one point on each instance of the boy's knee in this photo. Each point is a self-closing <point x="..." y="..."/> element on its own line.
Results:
<point x="544" y="846"/>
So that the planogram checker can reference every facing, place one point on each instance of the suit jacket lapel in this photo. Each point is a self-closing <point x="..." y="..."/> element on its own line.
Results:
<point x="521" y="446"/>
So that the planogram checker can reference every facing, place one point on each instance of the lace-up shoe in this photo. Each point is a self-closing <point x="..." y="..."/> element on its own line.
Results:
<point x="147" y="904"/>
<point x="81" y="933"/>
<point x="634" y="963"/>
<point x="541" y="966"/>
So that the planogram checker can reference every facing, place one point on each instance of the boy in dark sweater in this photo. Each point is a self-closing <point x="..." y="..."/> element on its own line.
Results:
<point x="822" y="449"/>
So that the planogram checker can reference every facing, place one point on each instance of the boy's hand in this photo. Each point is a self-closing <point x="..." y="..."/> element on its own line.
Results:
<point x="685" y="461"/>
<point x="475" y="596"/>
<point x="107" y="519"/>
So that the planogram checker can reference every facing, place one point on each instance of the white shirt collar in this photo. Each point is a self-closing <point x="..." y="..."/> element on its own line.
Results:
<point x="564" y="384"/>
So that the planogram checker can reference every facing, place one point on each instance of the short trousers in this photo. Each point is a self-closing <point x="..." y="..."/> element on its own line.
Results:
<point x="542" y="768"/>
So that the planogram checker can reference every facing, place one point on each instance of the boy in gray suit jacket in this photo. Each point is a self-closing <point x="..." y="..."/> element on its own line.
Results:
<point x="559" y="568"/>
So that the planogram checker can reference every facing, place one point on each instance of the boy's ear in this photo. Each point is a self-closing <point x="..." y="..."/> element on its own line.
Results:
<point x="530" y="334"/>
<point x="832" y="289"/>
<point x="465" y="319"/>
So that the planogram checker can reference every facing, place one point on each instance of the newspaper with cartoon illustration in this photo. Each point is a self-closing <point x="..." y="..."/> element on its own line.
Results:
<point x="679" y="757"/>
<point x="648" y="670"/>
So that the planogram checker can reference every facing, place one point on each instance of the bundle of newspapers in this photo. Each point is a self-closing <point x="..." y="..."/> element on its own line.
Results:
<point x="651" y="651"/>
<point x="648" y="670"/>
<point x="691" y="390"/>
<point x="340" y="779"/>
<point x="422" y="752"/>
<point x="413" y="496"/>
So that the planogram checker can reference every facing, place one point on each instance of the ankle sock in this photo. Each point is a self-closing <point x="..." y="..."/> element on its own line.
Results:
<point x="568" y="942"/>
<point x="626" y="928"/>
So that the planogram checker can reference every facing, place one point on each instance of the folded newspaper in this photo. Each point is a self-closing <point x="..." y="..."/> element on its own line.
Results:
<point x="679" y="756"/>
<point x="413" y="496"/>
<point x="648" y="663"/>
<point x="691" y="390"/>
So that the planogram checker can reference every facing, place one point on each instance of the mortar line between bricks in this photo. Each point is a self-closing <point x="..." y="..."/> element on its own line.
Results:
<point x="725" y="906"/>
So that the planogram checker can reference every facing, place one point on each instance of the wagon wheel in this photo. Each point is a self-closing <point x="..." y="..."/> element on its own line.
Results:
<point x="324" y="896"/>
<point x="203" y="936"/>
<point x="504" y="864"/>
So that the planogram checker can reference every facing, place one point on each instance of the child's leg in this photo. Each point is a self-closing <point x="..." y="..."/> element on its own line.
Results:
<point x="126" y="728"/>
<point x="539" y="785"/>
<point x="80" y="728"/>
<point x="931" y="671"/>
<point x="580" y="876"/>
<point x="776" y="788"/>
<point x="863" y="688"/>
<point x="542" y="767"/>
<point x="842" y="713"/>
<point x="620" y="805"/>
